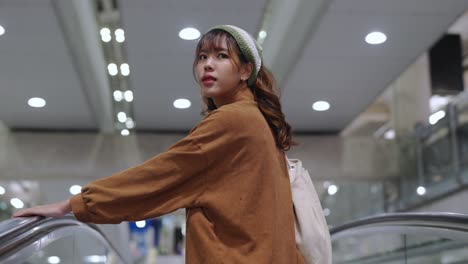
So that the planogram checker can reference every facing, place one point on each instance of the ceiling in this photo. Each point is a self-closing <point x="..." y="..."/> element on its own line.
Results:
<point x="331" y="63"/>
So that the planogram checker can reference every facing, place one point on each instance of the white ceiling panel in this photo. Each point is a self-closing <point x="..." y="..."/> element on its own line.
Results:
<point x="338" y="66"/>
<point x="161" y="62"/>
<point x="35" y="62"/>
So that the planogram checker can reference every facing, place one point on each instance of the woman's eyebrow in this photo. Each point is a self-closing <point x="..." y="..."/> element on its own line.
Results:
<point x="215" y="49"/>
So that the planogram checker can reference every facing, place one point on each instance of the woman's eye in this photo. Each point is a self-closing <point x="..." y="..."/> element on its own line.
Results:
<point x="223" y="55"/>
<point x="201" y="56"/>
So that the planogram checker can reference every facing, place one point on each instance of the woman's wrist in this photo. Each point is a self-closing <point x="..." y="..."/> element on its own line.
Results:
<point x="66" y="207"/>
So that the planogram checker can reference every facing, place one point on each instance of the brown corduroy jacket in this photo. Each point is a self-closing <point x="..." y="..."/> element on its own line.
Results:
<point x="229" y="175"/>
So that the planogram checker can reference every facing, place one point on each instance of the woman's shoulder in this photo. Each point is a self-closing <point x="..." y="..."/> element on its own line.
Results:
<point x="232" y="116"/>
<point x="237" y="111"/>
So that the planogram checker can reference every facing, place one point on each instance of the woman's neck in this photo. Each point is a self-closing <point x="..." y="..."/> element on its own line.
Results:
<point x="242" y="94"/>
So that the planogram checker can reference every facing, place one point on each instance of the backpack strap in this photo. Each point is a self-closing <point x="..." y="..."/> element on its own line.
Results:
<point x="288" y="162"/>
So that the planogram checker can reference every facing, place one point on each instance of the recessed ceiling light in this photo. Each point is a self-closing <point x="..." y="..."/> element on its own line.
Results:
<point x="182" y="103"/>
<point x="2" y="190"/>
<point x="105" y="34"/>
<point x="140" y="224"/>
<point x="130" y="123"/>
<point x="105" y="31"/>
<point x="106" y="38"/>
<point x="17" y="203"/>
<point x="262" y="34"/>
<point x="53" y="260"/>
<point x="95" y="259"/>
<point x="321" y="106"/>
<point x="122" y="117"/>
<point x="376" y="37"/>
<point x="125" y="69"/>
<point x="2" y="30"/>
<point x="118" y="95"/>
<point x="36" y="102"/>
<point x="75" y="189"/>
<point x="421" y="190"/>
<point x="189" y="33"/>
<point x="332" y="189"/>
<point x="434" y="118"/>
<point x="112" y="69"/>
<point x="389" y="134"/>
<point x="124" y="132"/>
<point x="128" y="95"/>
<point x="119" y="35"/>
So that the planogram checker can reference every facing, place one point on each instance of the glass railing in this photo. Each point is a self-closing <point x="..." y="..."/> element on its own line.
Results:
<point x="435" y="158"/>
<point x="353" y="200"/>
<point x="54" y="240"/>
<point x="416" y="238"/>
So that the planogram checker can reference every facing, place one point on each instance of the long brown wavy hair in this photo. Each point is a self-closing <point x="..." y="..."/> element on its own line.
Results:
<point x="265" y="90"/>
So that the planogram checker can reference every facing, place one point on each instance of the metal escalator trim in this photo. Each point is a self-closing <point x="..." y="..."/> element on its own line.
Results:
<point x="15" y="224"/>
<point x="32" y="244"/>
<point x="33" y="229"/>
<point x="450" y="221"/>
<point x="451" y="226"/>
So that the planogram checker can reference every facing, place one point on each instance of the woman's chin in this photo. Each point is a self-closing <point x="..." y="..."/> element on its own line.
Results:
<point x="207" y="93"/>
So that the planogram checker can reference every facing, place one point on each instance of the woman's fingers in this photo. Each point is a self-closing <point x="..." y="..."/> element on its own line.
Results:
<point x="54" y="210"/>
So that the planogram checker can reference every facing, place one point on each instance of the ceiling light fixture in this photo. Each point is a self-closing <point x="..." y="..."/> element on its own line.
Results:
<point x="140" y="224"/>
<point x="124" y="69"/>
<point x="130" y="123"/>
<point x="119" y="35"/>
<point x="332" y="189"/>
<point x="95" y="259"/>
<point x="36" y="102"/>
<point x="105" y="31"/>
<point x="53" y="260"/>
<point x="122" y="117"/>
<point x="2" y="30"/>
<point x="262" y="34"/>
<point x="2" y="190"/>
<point x="321" y="106"/>
<point x="124" y="132"/>
<point x="105" y="34"/>
<point x="112" y="69"/>
<point x="128" y="95"/>
<point x="375" y="38"/>
<point x="182" y="103"/>
<point x="75" y="189"/>
<point x="421" y="190"/>
<point x="434" y="118"/>
<point x="389" y="134"/>
<point x="189" y="34"/>
<point x="17" y="203"/>
<point x="118" y="96"/>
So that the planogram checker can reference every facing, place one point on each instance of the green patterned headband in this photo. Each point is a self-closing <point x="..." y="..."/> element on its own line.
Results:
<point x="248" y="46"/>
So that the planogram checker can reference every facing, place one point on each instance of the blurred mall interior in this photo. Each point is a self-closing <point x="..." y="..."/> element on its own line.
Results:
<point x="373" y="89"/>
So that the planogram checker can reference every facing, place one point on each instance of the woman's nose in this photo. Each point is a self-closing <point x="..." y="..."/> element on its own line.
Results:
<point x="208" y="64"/>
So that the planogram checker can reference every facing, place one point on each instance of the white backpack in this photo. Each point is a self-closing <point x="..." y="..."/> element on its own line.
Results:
<point x="312" y="233"/>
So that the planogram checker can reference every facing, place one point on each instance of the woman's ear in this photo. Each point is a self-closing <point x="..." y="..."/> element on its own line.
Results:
<point x="246" y="70"/>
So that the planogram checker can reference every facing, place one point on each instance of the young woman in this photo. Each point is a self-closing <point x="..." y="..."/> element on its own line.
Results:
<point x="230" y="172"/>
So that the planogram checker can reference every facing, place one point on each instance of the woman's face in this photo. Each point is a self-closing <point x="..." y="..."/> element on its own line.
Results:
<point x="217" y="74"/>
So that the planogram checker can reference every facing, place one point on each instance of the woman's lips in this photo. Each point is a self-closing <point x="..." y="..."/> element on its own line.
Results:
<point x="208" y="81"/>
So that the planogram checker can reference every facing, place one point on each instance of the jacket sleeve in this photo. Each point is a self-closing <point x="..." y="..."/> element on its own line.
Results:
<point x="169" y="181"/>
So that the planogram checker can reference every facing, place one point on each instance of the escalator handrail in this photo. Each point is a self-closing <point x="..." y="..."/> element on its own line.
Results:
<point x="451" y="221"/>
<point x="23" y="229"/>
<point x="13" y="225"/>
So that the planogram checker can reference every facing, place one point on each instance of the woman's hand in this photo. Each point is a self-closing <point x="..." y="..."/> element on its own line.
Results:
<point x="54" y="210"/>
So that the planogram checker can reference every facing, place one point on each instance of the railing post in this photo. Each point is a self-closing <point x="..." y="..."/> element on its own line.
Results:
<point x="453" y="125"/>
<point x="419" y="153"/>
